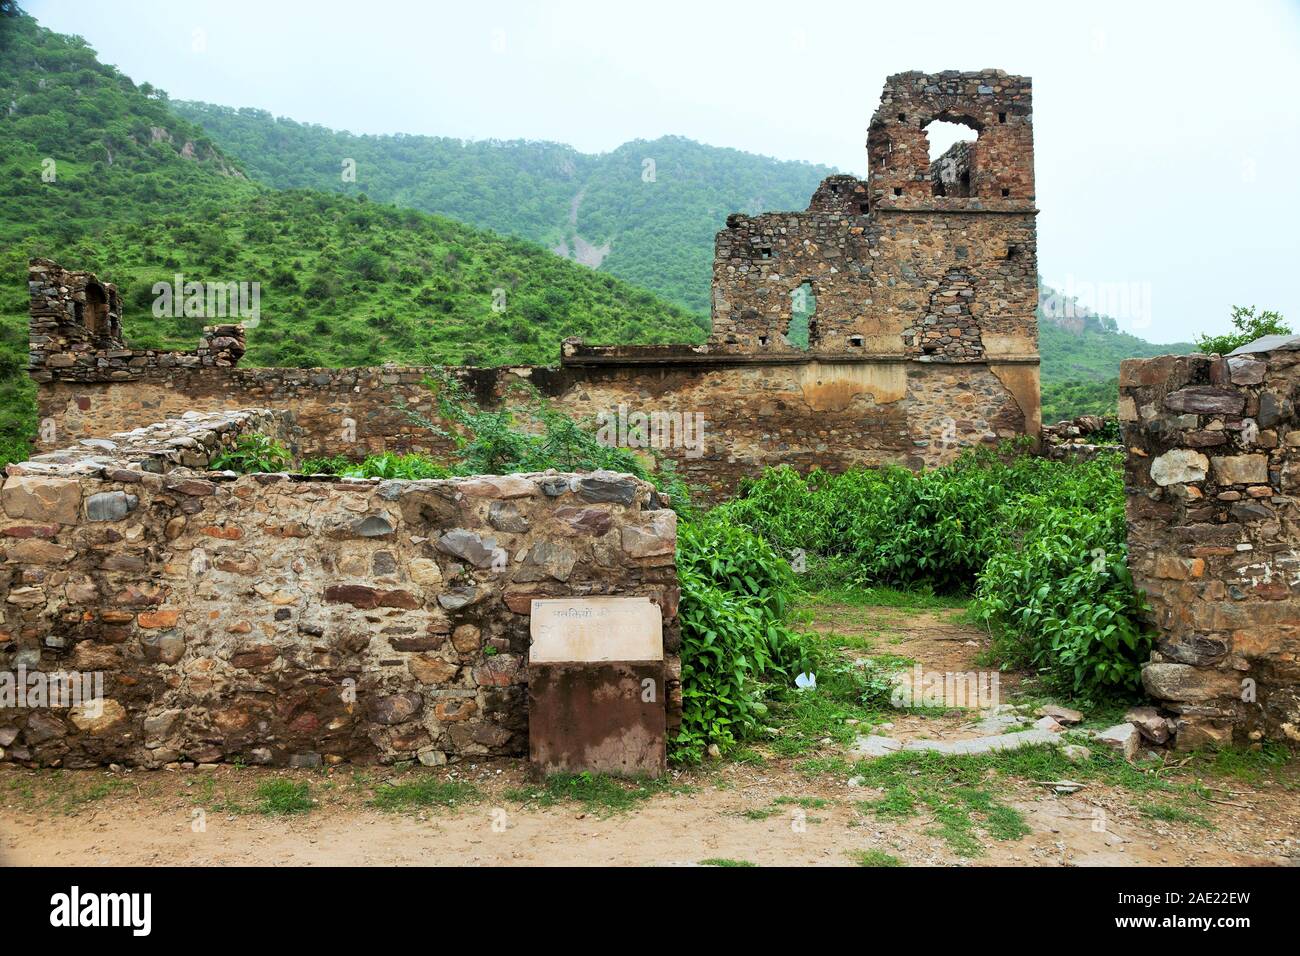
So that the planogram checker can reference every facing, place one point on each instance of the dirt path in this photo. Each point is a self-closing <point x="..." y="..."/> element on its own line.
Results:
<point x="762" y="809"/>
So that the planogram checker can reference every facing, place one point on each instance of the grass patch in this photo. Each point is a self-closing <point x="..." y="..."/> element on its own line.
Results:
<point x="816" y="766"/>
<point x="724" y="861"/>
<point x="957" y="811"/>
<point x="64" y="792"/>
<point x="1249" y="766"/>
<point x="955" y="788"/>
<point x="424" y="792"/>
<point x="849" y="642"/>
<point x="596" y="793"/>
<point x="810" y="719"/>
<point x="898" y="801"/>
<point x="920" y="599"/>
<point x="1169" y="813"/>
<point x="892" y="663"/>
<point x="283" y="797"/>
<point x="805" y="803"/>
<point x="874" y="858"/>
<point x="808" y="803"/>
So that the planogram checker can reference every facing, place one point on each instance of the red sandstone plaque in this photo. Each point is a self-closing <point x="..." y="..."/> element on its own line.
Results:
<point x="596" y="686"/>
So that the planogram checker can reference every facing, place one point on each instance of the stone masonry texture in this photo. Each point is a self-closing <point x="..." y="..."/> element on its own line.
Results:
<point x="919" y="283"/>
<point x="1212" y="476"/>
<point x="284" y="620"/>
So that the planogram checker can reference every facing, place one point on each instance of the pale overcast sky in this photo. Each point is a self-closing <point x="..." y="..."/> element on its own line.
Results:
<point x="1167" y="134"/>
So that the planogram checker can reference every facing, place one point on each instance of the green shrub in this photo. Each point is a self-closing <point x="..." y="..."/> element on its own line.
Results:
<point x="334" y="465"/>
<point x="531" y="435"/>
<point x="1040" y="544"/>
<point x="734" y="588"/>
<point x="1057" y="592"/>
<point x="1249" y="326"/>
<point x="253" y="454"/>
<point x="389" y="465"/>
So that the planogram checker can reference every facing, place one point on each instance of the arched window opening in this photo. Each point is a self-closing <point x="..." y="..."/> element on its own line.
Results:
<point x="951" y="151"/>
<point x="802" y="330"/>
<point x="95" y="315"/>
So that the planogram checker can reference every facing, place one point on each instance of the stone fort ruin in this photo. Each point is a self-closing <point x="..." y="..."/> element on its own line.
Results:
<point x="307" y="620"/>
<point x="918" y="287"/>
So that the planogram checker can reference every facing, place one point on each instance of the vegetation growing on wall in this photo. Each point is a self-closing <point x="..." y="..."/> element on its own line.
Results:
<point x="734" y="584"/>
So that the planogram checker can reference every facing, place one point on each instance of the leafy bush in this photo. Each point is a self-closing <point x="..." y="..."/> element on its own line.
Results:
<point x="1057" y="590"/>
<point x="253" y="454"/>
<point x="1249" y="327"/>
<point x="887" y="526"/>
<point x="734" y="588"/>
<point x="334" y="465"/>
<point x="1041" y="544"/>
<point x="389" y="465"/>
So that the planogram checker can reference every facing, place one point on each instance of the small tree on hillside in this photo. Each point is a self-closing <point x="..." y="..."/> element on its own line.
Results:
<point x="1249" y="327"/>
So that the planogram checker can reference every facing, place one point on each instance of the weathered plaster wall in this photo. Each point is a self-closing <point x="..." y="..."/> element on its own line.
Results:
<point x="1212" y="476"/>
<point x="279" y="620"/>
<point x="830" y="414"/>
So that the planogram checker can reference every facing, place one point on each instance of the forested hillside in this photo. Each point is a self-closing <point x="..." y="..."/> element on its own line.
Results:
<point x="1080" y="370"/>
<point x="102" y="174"/>
<point x="657" y="234"/>
<point x="97" y="172"/>
<point x="646" y="212"/>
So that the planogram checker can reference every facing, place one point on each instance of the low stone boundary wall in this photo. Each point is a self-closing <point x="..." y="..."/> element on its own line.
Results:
<point x="279" y="619"/>
<point x="1212" y="476"/>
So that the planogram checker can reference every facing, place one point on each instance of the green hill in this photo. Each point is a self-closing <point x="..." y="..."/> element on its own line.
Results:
<point x="103" y="174"/>
<point x="646" y="212"/>
<point x="1081" y="356"/>
<point x="137" y="194"/>
<point x="658" y="235"/>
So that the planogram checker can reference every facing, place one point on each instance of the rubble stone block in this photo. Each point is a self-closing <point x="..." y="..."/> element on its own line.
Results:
<point x="42" y="499"/>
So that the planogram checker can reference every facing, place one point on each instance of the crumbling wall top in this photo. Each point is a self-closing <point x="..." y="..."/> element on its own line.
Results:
<point x="72" y="311"/>
<point x="995" y="104"/>
<point x="193" y="440"/>
<point x="75" y="332"/>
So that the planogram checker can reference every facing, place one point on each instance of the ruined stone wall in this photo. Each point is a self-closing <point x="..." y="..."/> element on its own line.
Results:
<point x="280" y="620"/>
<point x="950" y="174"/>
<point x="75" y="333"/>
<point x="828" y="414"/>
<point x="1212" y="479"/>
<point x="933" y="264"/>
<point x="74" y="316"/>
<point x="997" y="106"/>
<point x="922" y="337"/>
<point x="877" y="279"/>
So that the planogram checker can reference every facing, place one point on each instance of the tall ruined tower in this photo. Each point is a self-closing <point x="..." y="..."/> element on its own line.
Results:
<point x="928" y="264"/>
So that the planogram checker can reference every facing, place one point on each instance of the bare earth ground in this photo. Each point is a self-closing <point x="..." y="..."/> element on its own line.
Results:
<point x="768" y="807"/>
